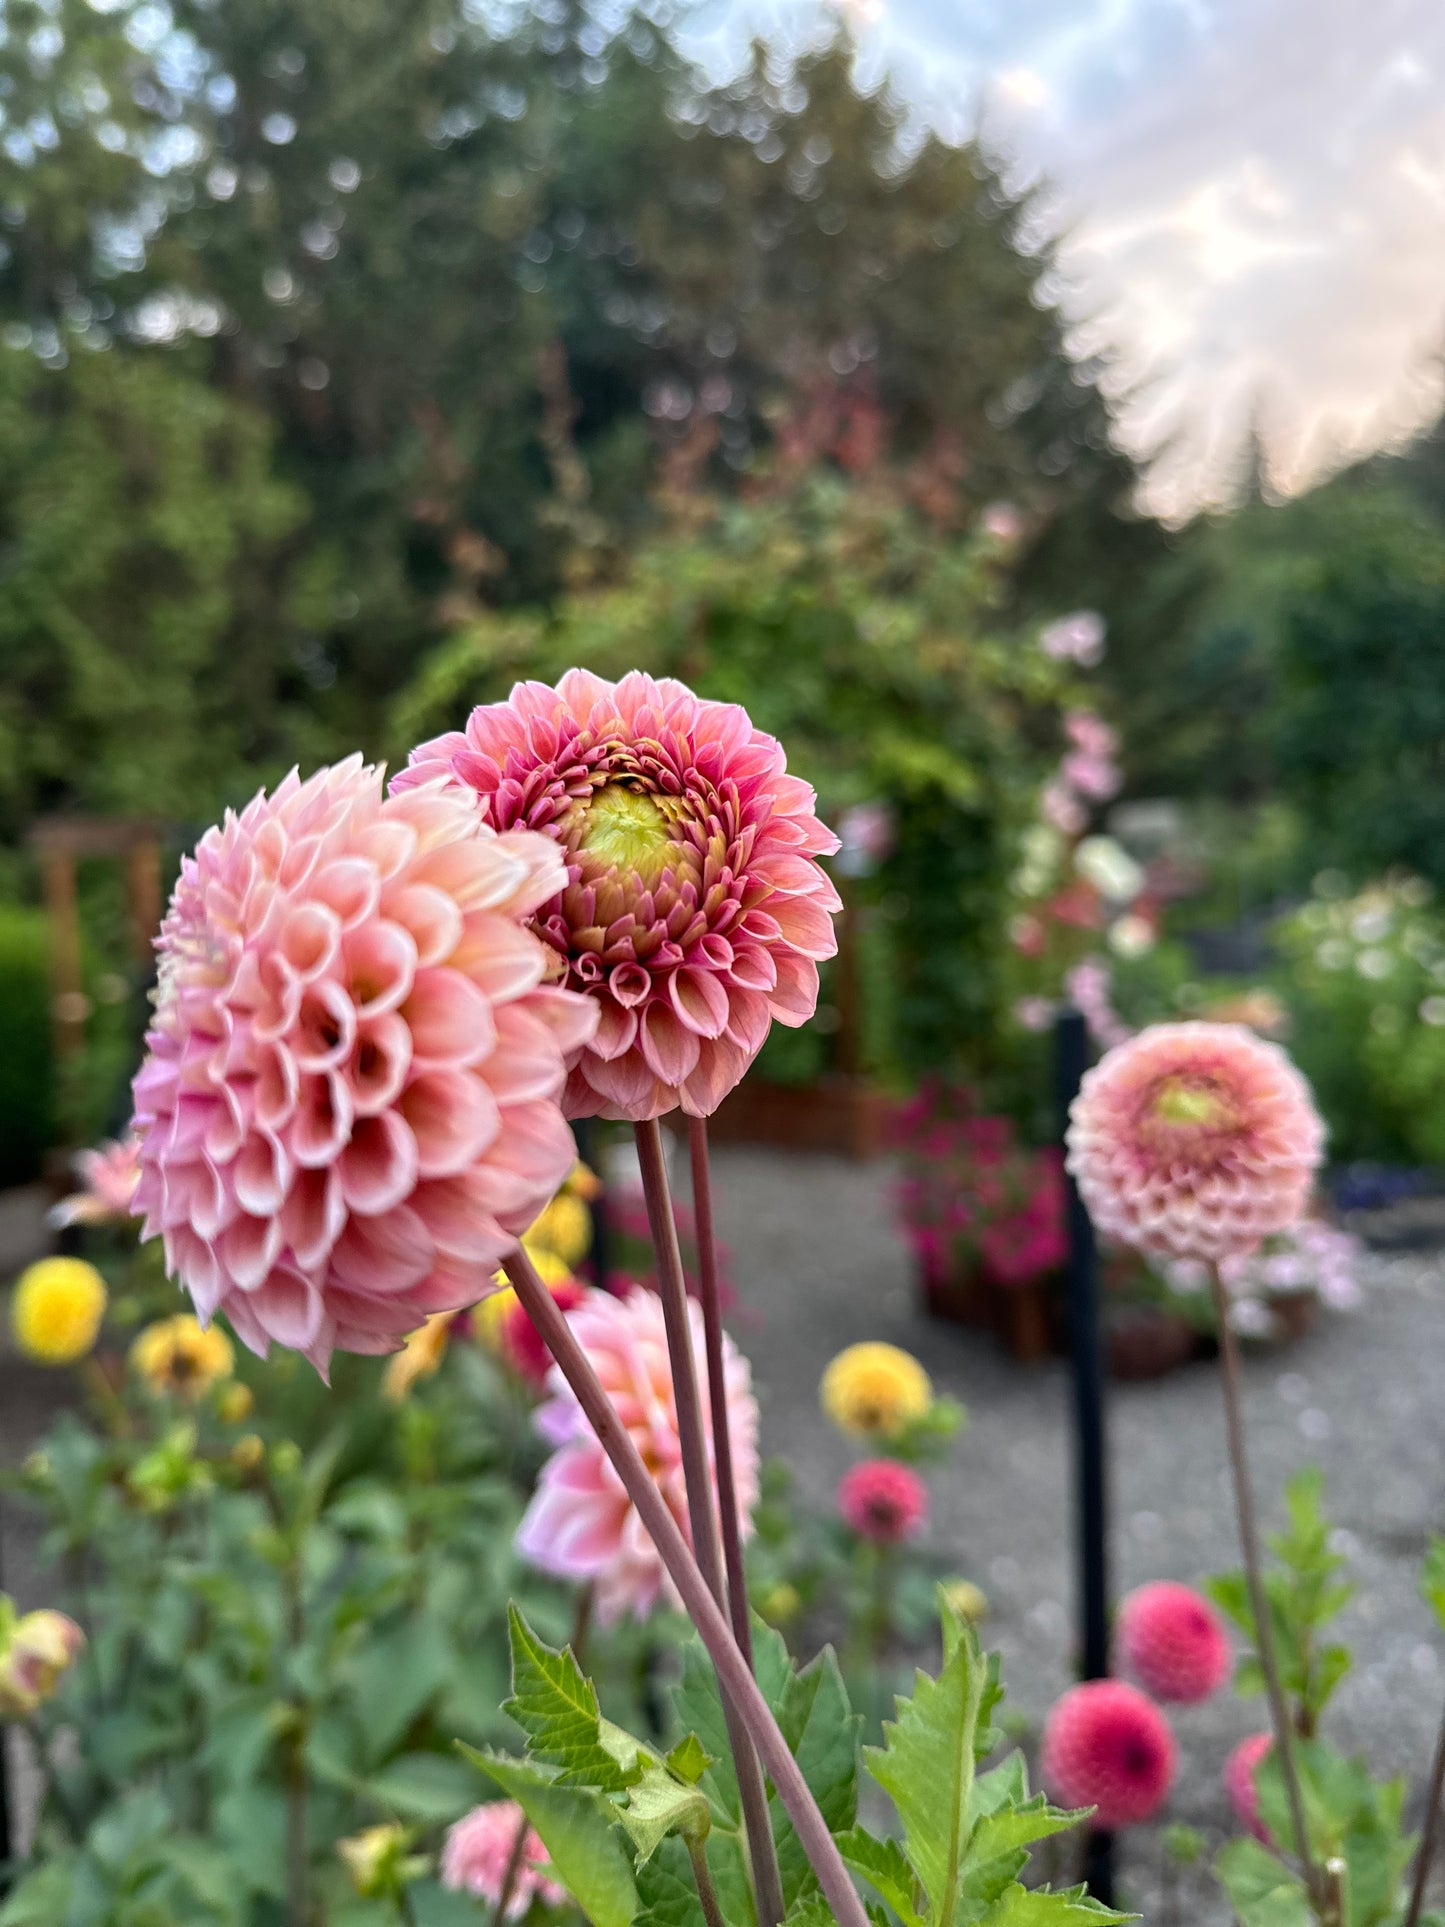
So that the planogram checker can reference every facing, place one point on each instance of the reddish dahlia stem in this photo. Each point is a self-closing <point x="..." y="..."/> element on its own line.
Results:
<point x="722" y="1445"/>
<point x="703" y="1609"/>
<point x="1430" y="1834"/>
<point x="512" y="1871"/>
<point x="1254" y="1579"/>
<point x="672" y="1288"/>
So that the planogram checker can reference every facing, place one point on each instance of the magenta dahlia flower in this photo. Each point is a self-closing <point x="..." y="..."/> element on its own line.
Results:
<point x="1106" y="1746"/>
<point x="349" y="1109"/>
<point x="1173" y="1642"/>
<point x="883" y="1501"/>
<point x="694" y="909"/>
<point x="478" y="1851"/>
<point x="1239" y="1771"/>
<point x="1194" y="1141"/>
<point x="581" y="1524"/>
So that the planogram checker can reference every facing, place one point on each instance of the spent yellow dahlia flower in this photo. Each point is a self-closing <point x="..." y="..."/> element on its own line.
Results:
<point x="176" y="1356"/>
<point x="876" y="1391"/>
<point x="56" y="1311"/>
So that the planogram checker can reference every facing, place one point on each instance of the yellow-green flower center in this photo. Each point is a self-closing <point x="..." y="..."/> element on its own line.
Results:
<point x="1188" y="1103"/>
<point x="627" y="829"/>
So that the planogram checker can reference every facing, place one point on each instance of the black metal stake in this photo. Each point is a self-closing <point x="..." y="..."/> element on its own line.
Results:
<point x="1071" y="1045"/>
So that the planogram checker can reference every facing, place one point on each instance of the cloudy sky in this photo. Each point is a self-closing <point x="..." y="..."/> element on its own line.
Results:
<point x="1251" y="194"/>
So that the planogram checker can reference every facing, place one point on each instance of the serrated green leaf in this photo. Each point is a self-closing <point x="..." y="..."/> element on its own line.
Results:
<point x="1262" y="1891"/>
<point x="689" y="1760"/>
<point x="555" y="1705"/>
<point x="822" y="1732"/>
<point x="926" y="1765"/>
<point x="667" y="1892"/>
<point x="577" y="1828"/>
<point x="659" y="1805"/>
<point x="1043" y="1907"/>
<point x="811" y="1911"/>
<point x="883" y="1865"/>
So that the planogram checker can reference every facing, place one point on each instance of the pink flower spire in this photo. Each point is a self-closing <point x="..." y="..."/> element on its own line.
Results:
<point x="1173" y="1642"/>
<point x="1194" y="1141"/>
<point x="581" y="1524"/>
<point x="477" y="1852"/>
<point x="694" y="909"/>
<point x="1106" y="1746"/>
<point x="108" y="1177"/>
<point x="883" y="1501"/>
<point x="1239" y="1771"/>
<point x="349" y="1109"/>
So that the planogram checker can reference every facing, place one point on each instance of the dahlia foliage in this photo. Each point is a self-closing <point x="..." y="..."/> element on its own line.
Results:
<point x="693" y="910"/>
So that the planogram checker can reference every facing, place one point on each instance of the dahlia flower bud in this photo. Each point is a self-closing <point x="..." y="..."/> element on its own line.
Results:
<point x="478" y="1851"/>
<point x="1173" y="1642"/>
<point x="693" y="911"/>
<point x="1194" y="1141"/>
<point x="40" y="1647"/>
<point x="1106" y="1746"/>
<point x="581" y="1523"/>
<point x="883" y="1501"/>
<point x="349" y="1108"/>
<point x="1239" y="1771"/>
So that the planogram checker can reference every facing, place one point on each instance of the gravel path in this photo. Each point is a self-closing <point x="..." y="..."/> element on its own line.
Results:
<point x="818" y="1266"/>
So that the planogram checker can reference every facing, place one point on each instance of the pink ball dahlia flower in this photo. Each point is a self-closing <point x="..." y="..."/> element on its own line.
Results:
<point x="581" y="1523"/>
<point x="1239" y="1772"/>
<point x="1173" y="1642"/>
<point x="883" y="1501"/>
<point x="477" y="1852"/>
<point x="1194" y="1141"/>
<point x="349" y="1107"/>
<point x="1106" y="1746"/>
<point x="108" y="1177"/>
<point x="694" y="910"/>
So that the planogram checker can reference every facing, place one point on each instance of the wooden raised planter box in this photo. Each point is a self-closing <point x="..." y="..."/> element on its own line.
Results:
<point x="845" y="1115"/>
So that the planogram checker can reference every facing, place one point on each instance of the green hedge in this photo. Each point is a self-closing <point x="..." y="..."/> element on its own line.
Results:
<point x="27" y="1111"/>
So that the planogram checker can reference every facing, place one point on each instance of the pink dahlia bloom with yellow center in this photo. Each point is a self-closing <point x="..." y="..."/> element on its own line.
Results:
<point x="1194" y="1141"/>
<point x="349" y="1106"/>
<point x="581" y="1524"/>
<point x="694" y="909"/>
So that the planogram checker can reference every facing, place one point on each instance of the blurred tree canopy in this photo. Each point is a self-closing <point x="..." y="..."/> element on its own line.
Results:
<point x="368" y="322"/>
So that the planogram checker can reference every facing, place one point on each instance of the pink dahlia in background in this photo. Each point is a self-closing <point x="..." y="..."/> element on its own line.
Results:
<point x="581" y="1523"/>
<point x="478" y="1851"/>
<point x="349" y="1108"/>
<point x="1239" y="1772"/>
<point x="1173" y="1642"/>
<point x="694" y="910"/>
<point x="1194" y="1141"/>
<point x="1106" y="1746"/>
<point x="883" y="1501"/>
<point x="108" y="1177"/>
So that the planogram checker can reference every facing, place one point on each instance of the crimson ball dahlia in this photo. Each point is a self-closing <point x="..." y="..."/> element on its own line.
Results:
<point x="1173" y="1642"/>
<point x="1194" y="1141"/>
<point x="1106" y="1746"/>
<point x="349" y="1107"/>
<point x="694" y="909"/>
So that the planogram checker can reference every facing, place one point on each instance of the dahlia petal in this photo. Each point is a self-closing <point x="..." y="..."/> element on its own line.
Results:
<point x="379" y="1063"/>
<point x="701" y="1001"/>
<point x="453" y="1117"/>
<point x="260" y="1175"/>
<point x="248" y="1247"/>
<point x="309" y="939"/>
<point x="630" y="984"/>
<point x="323" y="1120"/>
<point x="313" y="1216"/>
<point x="795" y="996"/>
<point x="806" y="925"/>
<point x="381" y="962"/>
<point x="668" y="1046"/>
<point x="458" y="1221"/>
<point x="386" y="1254"/>
<point x="378" y="1168"/>
<point x="451" y="1020"/>
<point x="432" y="918"/>
<point x="501" y="959"/>
<point x="288" y="1309"/>
<point x="350" y="888"/>
<point x="616" y="1030"/>
<point x="325" y="1027"/>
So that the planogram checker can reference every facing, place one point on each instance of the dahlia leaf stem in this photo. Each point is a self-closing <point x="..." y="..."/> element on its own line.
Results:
<point x="702" y="1515"/>
<point x="722" y="1447"/>
<point x="712" y="1912"/>
<point x="703" y="1609"/>
<point x="1254" y="1578"/>
<point x="1430" y="1835"/>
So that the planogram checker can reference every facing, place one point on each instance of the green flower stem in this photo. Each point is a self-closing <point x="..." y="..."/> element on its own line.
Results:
<point x="706" y="1891"/>
<point x="702" y="1515"/>
<point x="707" y="1616"/>
<point x="722" y="1447"/>
<point x="1430" y="1836"/>
<point x="1254" y="1578"/>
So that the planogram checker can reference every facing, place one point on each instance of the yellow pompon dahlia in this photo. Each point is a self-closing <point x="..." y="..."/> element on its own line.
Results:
<point x="564" y="1230"/>
<point x="56" y="1311"/>
<point x="176" y="1356"/>
<point x="419" y="1357"/>
<point x="876" y="1391"/>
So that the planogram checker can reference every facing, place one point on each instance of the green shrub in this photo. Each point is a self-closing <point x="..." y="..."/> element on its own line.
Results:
<point x="27" y="1116"/>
